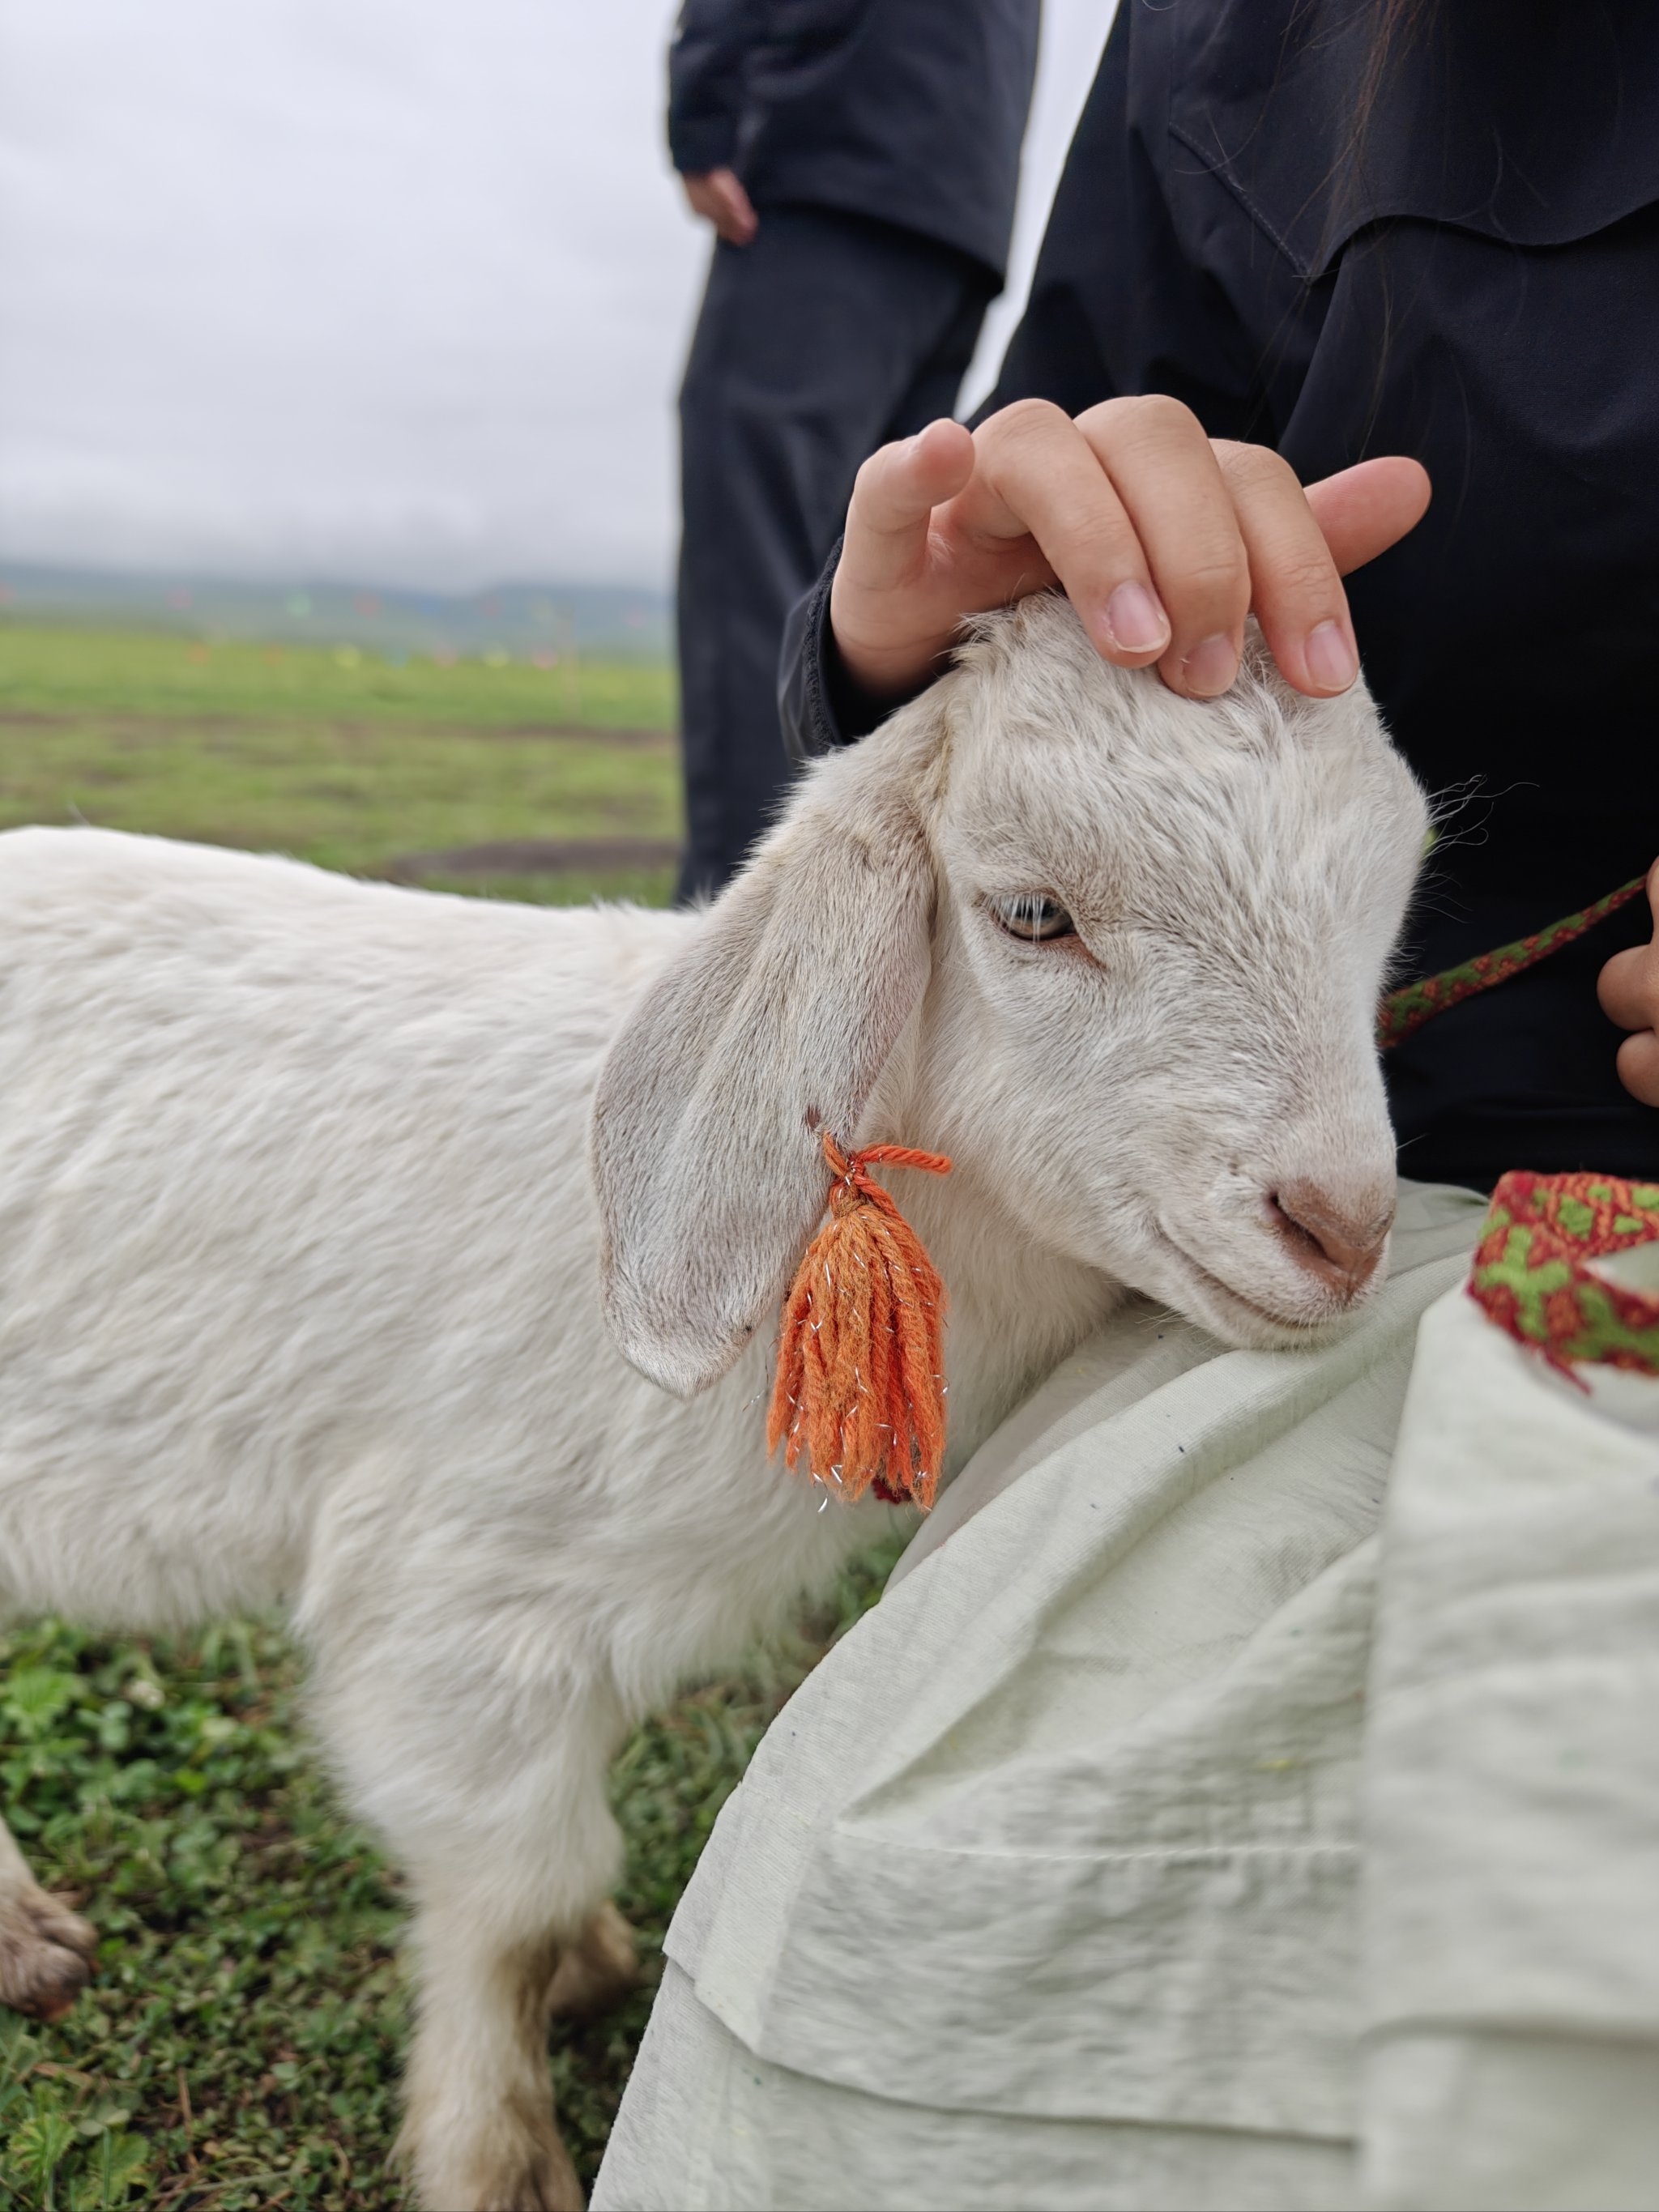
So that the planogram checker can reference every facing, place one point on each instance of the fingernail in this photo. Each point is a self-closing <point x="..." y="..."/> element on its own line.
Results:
<point x="1330" y="658"/>
<point x="1134" y="620"/>
<point x="1209" y="668"/>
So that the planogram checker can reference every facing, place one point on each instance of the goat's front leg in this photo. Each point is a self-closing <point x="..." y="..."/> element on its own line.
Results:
<point x="477" y="1740"/>
<point x="509" y="1846"/>
<point x="46" y="1950"/>
<point x="479" y="2132"/>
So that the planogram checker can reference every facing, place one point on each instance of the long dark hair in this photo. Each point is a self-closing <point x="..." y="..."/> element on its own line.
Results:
<point x="1399" y="24"/>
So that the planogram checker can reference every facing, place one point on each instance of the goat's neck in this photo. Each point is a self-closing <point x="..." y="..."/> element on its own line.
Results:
<point x="1016" y="1306"/>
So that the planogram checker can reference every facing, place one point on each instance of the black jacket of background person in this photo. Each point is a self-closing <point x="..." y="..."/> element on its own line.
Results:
<point x="910" y="111"/>
<point x="1477" y="286"/>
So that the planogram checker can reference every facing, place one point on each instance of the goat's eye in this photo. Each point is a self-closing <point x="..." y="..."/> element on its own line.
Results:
<point x="1032" y="915"/>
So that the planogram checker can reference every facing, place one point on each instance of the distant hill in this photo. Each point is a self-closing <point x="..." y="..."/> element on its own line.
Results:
<point x="525" y="621"/>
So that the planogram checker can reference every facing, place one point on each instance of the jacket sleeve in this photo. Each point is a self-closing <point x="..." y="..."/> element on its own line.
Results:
<point x="708" y="67"/>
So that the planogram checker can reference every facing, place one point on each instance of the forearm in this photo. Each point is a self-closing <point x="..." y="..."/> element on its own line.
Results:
<point x="708" y="70"/>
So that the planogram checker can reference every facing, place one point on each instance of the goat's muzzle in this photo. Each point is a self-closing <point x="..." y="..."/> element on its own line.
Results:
<point x="1339" y="1244"/>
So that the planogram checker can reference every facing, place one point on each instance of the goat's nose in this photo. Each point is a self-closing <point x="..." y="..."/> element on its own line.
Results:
<point x="1341" y="1245"/>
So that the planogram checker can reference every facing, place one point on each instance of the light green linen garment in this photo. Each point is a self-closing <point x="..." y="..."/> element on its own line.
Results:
<point x="1047" y="1888"/>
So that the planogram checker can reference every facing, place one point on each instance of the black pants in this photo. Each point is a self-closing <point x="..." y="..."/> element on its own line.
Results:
<point x="823" y="339"/>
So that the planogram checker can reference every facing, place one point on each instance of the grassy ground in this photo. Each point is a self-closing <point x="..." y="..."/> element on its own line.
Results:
<point x="43" y="667"/>
<point x="242" y="2043"/>
<point x="241" y="2046"/>
<point x="352" y="762"/>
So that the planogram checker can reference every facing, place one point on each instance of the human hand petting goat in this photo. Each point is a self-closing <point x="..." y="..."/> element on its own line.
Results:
<point x="1162" y="539"/>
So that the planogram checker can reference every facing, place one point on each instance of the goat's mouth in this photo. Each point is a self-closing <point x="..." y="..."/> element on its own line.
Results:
<point x="1240" y="1316"/>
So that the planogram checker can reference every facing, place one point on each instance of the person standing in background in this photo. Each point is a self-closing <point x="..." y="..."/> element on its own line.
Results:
<point x="858" y="161"/>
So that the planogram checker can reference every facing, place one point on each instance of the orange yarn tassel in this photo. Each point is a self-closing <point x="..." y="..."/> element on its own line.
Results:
<point x="861" y="1357"/>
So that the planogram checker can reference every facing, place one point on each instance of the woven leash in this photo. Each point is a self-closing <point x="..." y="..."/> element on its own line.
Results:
<point x="1413" y="1004"/>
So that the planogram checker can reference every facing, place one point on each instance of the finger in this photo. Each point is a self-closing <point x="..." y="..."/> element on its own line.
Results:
<point x="894" y="495"/>
<point x="1295" y="590"/>
<point x="1638" y="1067"/>
<point x="1037" y="474"/>
<point x="1628" y="985"/>
<point x="1625" y="988"/>
<point x="1364" y="510"/>
<point x="887" y="640"/>
<point x="734" y="217"/>
<point x="744" y="206"/>
<point x="1164" y="470"/>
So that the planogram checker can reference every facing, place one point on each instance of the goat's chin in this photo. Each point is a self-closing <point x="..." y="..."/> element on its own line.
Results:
<point x="1256" y="1322"/>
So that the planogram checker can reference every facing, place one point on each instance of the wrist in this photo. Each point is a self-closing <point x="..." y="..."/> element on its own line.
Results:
<point x="886" y="678"/>
<point x="884" y="674"/>
<point x="696" y="146"/>
<point x="859" y="704"/>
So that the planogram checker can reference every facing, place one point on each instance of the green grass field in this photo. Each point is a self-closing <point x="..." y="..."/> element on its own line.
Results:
<point x="352" y="762"/>
<point x="242" y="2045"/>
<point x="153" y="675"/>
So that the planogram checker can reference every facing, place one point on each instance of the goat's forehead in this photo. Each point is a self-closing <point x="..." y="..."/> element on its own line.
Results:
<point x="1107" y="800"/>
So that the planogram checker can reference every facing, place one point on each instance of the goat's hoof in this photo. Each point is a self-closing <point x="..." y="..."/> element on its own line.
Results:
<point x="543" y="2180"/>
<point x="553" y="2188"/>
<point x="598" y="1970"/>
<point x="512" y="2160"/>
<point x="45" y="1954"/>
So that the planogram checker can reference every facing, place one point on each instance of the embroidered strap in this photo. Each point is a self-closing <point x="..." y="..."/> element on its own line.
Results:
<point x="1531" y="1274"/>
<point x="1408" y="1008"/>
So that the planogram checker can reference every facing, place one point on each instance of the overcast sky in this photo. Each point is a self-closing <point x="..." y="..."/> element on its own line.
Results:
<point x="388" y="290"/>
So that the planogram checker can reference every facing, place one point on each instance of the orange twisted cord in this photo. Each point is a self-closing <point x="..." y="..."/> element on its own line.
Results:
<point x="861" y="1378"/>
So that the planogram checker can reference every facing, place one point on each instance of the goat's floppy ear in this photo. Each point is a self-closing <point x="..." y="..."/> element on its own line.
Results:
<point x="773" y="1026"/>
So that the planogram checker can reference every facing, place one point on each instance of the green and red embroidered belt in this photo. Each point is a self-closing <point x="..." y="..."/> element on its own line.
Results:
<point x="1533" y="1271"/>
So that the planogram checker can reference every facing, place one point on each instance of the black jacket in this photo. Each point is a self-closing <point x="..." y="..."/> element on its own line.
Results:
<point x="911" y="112"/>
<point x="1477" y="284"/>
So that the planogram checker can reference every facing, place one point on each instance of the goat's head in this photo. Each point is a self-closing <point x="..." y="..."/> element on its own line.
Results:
<point x="1119" y="953"/>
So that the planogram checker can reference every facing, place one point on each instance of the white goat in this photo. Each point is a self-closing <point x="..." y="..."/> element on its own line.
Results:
<point x="301" y="1256"/>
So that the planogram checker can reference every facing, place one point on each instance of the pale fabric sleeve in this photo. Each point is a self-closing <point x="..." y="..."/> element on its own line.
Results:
<point x="1511" y="1805"/>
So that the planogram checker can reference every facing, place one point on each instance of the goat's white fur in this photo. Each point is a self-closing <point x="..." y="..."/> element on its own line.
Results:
<point x="301" y="1258"/>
